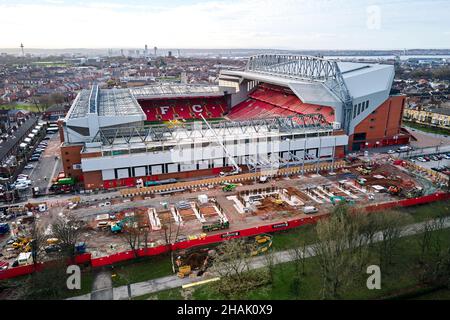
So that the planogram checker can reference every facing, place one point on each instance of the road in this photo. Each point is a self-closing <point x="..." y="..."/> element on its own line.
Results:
<point x="171" y="282"/>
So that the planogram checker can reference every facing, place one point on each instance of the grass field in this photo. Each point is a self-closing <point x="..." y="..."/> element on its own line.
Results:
<point x="426" y="128"/>
<point x="28" y="107"/>
<point x="401" y="276"/>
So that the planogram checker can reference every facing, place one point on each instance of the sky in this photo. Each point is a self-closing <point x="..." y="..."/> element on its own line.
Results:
<point x="249" y="24"/>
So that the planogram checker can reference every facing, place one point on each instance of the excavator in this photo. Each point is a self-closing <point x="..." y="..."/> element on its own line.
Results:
<point x="117" y="227"/>
<point x="200" y="260"/>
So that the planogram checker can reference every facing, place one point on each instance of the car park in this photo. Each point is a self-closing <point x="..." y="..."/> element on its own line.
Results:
<point x="434" y="158"/>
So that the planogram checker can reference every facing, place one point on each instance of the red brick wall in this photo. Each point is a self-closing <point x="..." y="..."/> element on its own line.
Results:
<point x="384" y="123"/>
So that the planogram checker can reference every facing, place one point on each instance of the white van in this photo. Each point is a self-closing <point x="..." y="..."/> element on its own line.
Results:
<point x="24" y="258"/>
<point x="310" y="210"/>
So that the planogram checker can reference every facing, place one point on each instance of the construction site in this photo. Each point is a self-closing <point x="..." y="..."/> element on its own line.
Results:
<point x="184" y="214"/>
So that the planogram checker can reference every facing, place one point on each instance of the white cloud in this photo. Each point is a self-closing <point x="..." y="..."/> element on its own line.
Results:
<point x="290" y="24"/>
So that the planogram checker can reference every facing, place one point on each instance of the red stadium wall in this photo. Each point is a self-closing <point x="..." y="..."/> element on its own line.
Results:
<point x="382" y="126"/>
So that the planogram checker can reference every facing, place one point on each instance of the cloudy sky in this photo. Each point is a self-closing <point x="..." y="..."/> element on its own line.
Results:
<point x="277" y="24"/>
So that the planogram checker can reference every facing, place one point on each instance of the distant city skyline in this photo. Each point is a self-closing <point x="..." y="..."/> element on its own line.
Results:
<point x="233" y="24"/>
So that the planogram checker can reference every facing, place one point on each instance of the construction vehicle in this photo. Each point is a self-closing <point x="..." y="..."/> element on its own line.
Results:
<point x="219" y="225"/>
<point x="227" y="187"/>
<point x="394" y="190"/>
<point x="361" y="181"/>
<point x="414" y="193"/>
<point x="187" y="262"/>
<point x="118" y="226"/>
<point x="339" y="199"/>
<point x="184" y="271"/>
<point x="263" y="242"/>
<point x="237" y="169"/>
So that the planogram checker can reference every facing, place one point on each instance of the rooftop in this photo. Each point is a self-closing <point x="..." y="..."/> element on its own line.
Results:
<point x="110" y="102"/>
<point x="156" y="91"/>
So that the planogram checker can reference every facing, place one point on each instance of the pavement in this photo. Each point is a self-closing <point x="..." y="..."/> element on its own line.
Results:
<point x="171" y="282"/>
<point x="102" y="286"/>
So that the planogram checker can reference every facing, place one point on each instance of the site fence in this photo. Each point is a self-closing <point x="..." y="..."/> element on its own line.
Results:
<point x="216" y="238"/>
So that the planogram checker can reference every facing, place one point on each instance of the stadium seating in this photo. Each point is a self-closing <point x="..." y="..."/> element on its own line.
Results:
<point x="183" y="108"/>
<point x="272" y="101"/>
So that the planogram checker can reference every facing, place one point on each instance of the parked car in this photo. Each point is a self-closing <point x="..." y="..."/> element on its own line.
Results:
<point x="427" y="158"/>
<point x="421" y="159"/>
<point x="434" y="158"/>
<point x="391" y="152"/>
<point x="33" y="159"/>
<point x="29" y="166"/>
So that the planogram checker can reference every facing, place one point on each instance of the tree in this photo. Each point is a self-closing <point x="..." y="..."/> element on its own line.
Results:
<point x="335" y="255"/>
<point x="134" y="232"/>
<point x="434" y="257"/>
<point x="38" y="242"/>
<point x="68" y="231"/>
<point x="47" y="284"/>
<point x="232" y="266"/>
<point x="171" y="234"/>
<point x="391" y="224"/>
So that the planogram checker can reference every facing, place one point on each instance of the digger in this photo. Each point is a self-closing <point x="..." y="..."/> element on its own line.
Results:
<point x="187" y="263"/>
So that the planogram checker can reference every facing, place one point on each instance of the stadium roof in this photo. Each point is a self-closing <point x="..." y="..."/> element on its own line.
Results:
<point x="178" y="90"/>
<point x="109" y="103"/>
<point x="314" y="79"/>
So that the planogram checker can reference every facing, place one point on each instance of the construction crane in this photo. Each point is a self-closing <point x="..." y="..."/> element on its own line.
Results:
<point x="237" y="169"/>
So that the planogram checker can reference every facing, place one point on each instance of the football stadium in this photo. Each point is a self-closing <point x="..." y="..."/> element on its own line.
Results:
<point x="281" y="110"/>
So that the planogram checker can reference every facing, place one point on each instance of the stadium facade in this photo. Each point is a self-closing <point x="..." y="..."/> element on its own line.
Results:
<point x="281" y="110"/>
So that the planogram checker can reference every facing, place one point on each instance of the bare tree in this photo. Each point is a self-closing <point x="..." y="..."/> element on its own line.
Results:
<point x="434" y="259"/>
<point x="391" y="224"/>
<point x="38" y="242"/>
<point x="171" y="234"/>
<point x="68" y="231"/>
<point x="134" y="232"/>
<point x="232" y="265"/>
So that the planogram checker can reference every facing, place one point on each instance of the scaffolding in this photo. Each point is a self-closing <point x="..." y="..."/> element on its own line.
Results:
<point x="313" y="123"/>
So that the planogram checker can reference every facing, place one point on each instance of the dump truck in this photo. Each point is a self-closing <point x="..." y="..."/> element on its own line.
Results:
<point x="219" y="225"/>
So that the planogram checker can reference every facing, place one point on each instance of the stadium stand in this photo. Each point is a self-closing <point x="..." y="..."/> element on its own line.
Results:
<point x="272" y="101"/>
<point x="183" y="108"/>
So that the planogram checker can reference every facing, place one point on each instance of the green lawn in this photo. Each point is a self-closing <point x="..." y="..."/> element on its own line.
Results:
<point x="401" y="276"/>
<point x="28" y="107"/>
<point x="142" y="270"/>
<point x="426" y="128"/>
